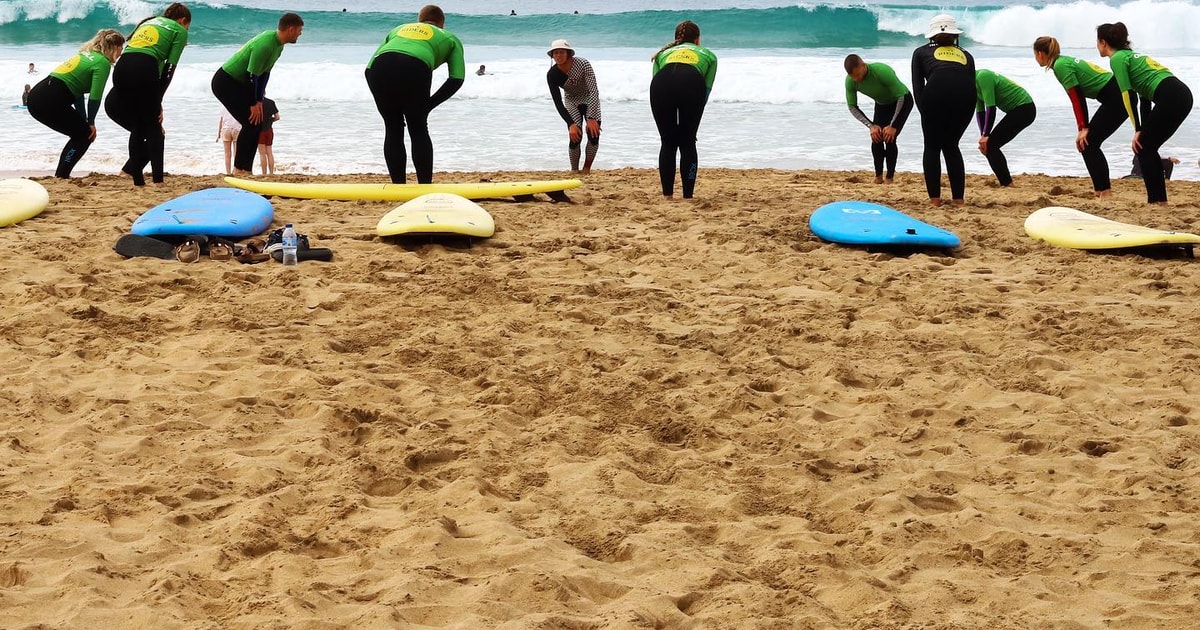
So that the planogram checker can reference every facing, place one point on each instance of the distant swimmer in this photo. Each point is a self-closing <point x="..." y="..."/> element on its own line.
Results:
<point x="944" y="88"/>
<point x="481" y="71"/>
<point x="577" y="99"/>
<point x="513" y="12"/>
<point x="1083" y="80"/>
<point x="893" y="103"/>
<point x="683" y="73"/>
<point x="997" y="92"/>
<point x="57" y="100"/>
<point x="32" y="69"/>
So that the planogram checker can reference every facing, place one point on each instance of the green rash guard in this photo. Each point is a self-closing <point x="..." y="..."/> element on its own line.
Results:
<point x="881" y="84"/>
<point x="85" y="72"/>
<point x="693" y="55"/>
<point x="256" y="57"/>
<point x="428" y="43"/>
<point x="1139" y="74"/>
<point x="1087" y="76"/>
<point x="994" y="90"/>
<point x="161" y="38"/>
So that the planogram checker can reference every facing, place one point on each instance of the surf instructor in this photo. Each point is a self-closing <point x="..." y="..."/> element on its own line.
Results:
<point x="944" y="86"/>
<point x="574" y="78"/>
<point x="400" y="75"/>
<point x="241" y="84"/>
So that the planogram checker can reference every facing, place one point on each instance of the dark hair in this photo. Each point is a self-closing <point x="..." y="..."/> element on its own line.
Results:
<point x="945" y="39"/>
<point x="432" y="14"/>
<point x="1115" y="35"/>
<point x="685" y="31"/>
<point x="852" y="62"/>
<point x="290" y="20"/>
<point x="177" y="11"/>
<point x="1047" y="46"/>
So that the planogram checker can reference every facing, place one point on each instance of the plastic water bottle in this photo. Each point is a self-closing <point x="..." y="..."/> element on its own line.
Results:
<point x="289" y="246"/>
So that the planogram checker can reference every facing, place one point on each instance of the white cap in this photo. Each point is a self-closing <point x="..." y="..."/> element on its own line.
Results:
<point x="560" y="44"/>
<point x="942" y="24"/>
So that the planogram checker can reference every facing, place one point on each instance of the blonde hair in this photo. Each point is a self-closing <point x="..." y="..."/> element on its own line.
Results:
<point x="1047" y="46"/>
<point x="107" y="42"/>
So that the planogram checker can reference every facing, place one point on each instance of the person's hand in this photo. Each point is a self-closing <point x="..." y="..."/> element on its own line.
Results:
<point x="593" y="127"/>
<point x="1081" y="139"/>
<point x="575" y="132"/>
<point x="92" y="133"/>
<point x="1137" y="141"/>
<point x="983" y="144"/>
<point x="876" y="133"/>
<point x="889" y="134"/>
<point x="256" y="115"/>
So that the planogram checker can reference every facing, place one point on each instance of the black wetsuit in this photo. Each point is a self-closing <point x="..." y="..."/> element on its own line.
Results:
<point x="52" y="104"/>
<point x="135" y="103"/>
<point x="400" y="85"/>
<point x="944" y="87"/>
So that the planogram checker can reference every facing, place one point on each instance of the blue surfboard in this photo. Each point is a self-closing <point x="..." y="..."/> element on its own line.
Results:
<point x="227" y="212"/>
<point x="862" y="223"/>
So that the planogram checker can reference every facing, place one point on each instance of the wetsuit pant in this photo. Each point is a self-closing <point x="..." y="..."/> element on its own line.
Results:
<point x="886" y="151"/>
<point x="573" y="148"/>
<point x="1105" y="121"/>
<point x="677" y="98"/>
<point x="1172" y="104"/>
<point x="400" y="85"/>
<point x="947" y="107"/>
<point x="135" y="102"/>
<point x="238" y="99"/>
<point x="52" y="104"/>
<point x="1012" y="124"/>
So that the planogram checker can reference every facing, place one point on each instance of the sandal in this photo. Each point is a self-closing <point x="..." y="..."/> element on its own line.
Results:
<point x="220" y="249"/>
<point x="188" y="251"/>
<point x="252" y="252"/>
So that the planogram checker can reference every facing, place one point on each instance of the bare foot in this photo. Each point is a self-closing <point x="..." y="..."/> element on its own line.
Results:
<point x="237" y="172"/>
<point x="936" y="202"/>
<point x="878" y="179"/>
<point x="889" y="180"/>
<point x="1103" y="193"/>
<point x="960" y="202"/>
<point x="586" y="171"/>
<point x="123" y="174"/>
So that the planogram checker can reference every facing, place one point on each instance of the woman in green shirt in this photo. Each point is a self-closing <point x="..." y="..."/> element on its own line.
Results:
<point x="1166" y="102"/>
<point x="998" y="92"/>
<point x="683" y="74"/>
<point x="57" y="100"/>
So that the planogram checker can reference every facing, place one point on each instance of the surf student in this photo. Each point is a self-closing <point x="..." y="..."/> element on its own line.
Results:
<point x="944" y="87"/>
<point x="1083" y="80"/>
<point x="57" y="100"/>
<point x="683" y="73"/>
<point x="1165" y="103"/>
<point x="578" y="103"/>
<point x="400" y="75"/>
<point x="998" y="92"/>
<point x="241" y="84"/>
<point x="140" y="81"/>
<point x="893" y="103"/>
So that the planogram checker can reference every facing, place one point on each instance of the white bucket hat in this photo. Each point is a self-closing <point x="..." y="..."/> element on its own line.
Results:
<point x="560" y="44"/>
<point x="942" y="24"/>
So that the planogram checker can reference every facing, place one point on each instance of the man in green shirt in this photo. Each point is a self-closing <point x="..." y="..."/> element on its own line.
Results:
<point x="893" y="103"/>
<point x="992" y="92"/>
<point x="241" y="83"/>
<point x="400" y="75"/>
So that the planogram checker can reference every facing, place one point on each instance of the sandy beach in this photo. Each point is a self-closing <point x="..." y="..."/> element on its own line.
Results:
<point x="623" y="412"/>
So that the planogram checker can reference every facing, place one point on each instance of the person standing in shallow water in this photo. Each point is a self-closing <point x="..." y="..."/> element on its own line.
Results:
<point x="893" y="103"/>
<point x="944" y="87"/>
<point x="1083" y="80"/>
<point x="573" y="76"/>
<point x="683" y="76"/>
<point x="1165" y="103"/>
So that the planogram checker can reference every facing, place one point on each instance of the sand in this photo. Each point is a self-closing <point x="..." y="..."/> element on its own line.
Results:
<point x="625" y="412"/>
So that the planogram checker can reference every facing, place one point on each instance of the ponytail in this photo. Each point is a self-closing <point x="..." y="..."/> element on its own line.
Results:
<point x="1115" y="35"/>
<point x="685" y="31"/>
<point x="1047" y="46"/>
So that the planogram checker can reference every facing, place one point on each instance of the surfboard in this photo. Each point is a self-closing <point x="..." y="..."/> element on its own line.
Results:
<point x="437" y="213"/>
<point x="227" y="212"/>
<point x="21" y="199"/>
<point x="1068" y="227"/>
<point x="862" y="223"/>
<point x="400" y="192"/>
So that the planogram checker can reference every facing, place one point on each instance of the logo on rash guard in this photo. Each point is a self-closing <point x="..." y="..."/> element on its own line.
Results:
<point x="1095" y="68"/>
<point x="1150" y="63"/>
<point x="145" y="37"/>
<point x="683" y="55"/>
<point x="950" y="53"/>
<point x="415" y="31"/>
<point x="68" y="65"/>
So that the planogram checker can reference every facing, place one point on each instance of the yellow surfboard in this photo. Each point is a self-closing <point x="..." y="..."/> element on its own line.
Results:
<point x="1067" y="227"/>
<point x="399" y="192"/>
<point x="437" y="213"/>
<point x="21" y="199"/>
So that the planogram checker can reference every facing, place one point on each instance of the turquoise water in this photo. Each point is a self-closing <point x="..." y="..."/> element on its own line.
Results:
<point x="778" y="100"/>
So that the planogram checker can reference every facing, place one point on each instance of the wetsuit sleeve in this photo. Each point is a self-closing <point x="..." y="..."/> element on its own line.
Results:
<point x="986" y="120"/>
<point x="258" y="83"/>
<point x="445" y="92"/>
<point x="177" y="46"/>
<point x="1120" y="68"/>
<point x="918" y="75"/>
<point x="95" y="97"/>
<point x="168" y="73"/>
<point x="710" y="77"/>
<point x="1079" y="106"/>
<point x="555" y="78"/>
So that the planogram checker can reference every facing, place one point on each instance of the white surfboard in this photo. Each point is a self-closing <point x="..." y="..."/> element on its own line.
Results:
<point x="1068" y="227"/>
<point x="437" y="213"/>
<point x="21" y="199"/>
